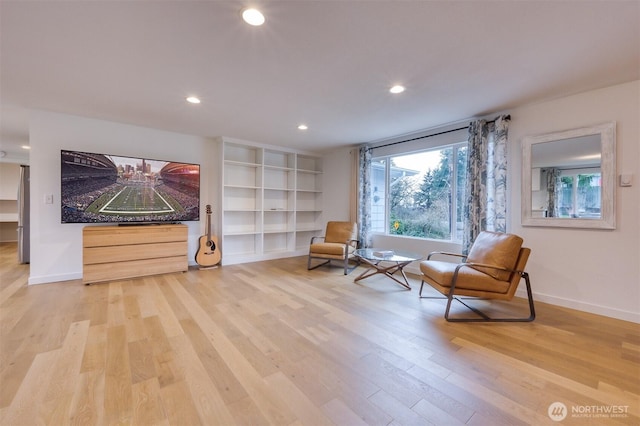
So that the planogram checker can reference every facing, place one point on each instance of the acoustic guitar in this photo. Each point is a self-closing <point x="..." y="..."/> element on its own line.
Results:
<point x="208" y="253"/>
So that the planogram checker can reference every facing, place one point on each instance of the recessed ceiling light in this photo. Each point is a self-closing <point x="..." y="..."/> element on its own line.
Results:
<point x="26" y="147"/>
<point x="253" y="17"/>
<point x="302" y="127"/>
<point x="397" y="89"/>
<point x="193" y="100"/>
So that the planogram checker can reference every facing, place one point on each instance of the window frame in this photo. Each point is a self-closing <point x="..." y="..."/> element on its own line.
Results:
<point x="455" y="234"/>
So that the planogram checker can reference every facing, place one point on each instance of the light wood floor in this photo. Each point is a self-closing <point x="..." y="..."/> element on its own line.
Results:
<point x="273" y="343"/>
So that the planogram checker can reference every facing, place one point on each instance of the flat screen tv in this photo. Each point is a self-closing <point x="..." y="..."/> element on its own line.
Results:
<point x="100" y="188"/>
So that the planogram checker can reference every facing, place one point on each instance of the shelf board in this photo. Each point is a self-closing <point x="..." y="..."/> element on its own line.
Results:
<point x="278" y="231"/>
<point x="240" y="233"/>
<point x="242" y="187"/>
<point x="268" y="188"/>
<point x="241" y="163"/>
<point x="313" y="172"/>
<point x="285" y="169"/>
<point x="243" y="210"/>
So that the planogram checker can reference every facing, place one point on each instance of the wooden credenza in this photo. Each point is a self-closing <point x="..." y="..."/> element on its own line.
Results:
<point x="120" y="252"/>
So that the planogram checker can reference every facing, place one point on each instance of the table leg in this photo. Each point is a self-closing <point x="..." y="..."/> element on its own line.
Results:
<point x="375" y="268"/>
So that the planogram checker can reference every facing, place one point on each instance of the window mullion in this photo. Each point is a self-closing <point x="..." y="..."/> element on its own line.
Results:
<point x="387" y="181"/>
<point x="453" y="214"/>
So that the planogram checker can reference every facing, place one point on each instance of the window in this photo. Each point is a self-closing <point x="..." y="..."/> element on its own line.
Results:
<point x="579" y="195"/>
<point x="420" y="194"/>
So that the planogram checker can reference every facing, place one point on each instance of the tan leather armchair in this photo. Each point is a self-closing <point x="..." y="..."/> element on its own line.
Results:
<point x="492" y="270"/>
<point x="339" y="243"/>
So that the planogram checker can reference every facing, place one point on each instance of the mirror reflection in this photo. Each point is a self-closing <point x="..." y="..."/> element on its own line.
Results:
<point x="566" y="178"/>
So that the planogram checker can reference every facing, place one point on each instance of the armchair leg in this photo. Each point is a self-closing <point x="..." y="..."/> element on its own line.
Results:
<point x="309" y="267"/>
<point x="346" y="267"/>
<point x="348" y="270"/>
<point x="345" y="264"/>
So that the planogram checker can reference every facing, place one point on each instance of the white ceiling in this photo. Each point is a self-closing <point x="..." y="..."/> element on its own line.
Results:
<point x="328" y="64"/>
<point x="582" y="151"/>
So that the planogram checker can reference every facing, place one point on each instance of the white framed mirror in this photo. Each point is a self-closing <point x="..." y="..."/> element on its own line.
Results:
<point x="568" y="178"/>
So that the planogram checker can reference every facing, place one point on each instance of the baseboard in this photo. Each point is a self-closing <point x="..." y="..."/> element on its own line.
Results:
<point x="582" y="306"/>
<point x="44" y="279"/>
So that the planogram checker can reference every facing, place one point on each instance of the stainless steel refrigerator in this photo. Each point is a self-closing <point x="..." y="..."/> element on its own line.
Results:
<point x="23" y="215"/>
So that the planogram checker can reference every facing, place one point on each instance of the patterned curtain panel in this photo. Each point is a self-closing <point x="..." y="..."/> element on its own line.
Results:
<point x="354" y="184"/>
<point x="552" y="191"/>
<point x="486" y="190"/>
<point x="364" y="196"/>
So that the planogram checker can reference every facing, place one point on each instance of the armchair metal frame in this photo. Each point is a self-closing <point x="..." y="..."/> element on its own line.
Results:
<point x="450" y="295"/>
<point x="347" y="257"/>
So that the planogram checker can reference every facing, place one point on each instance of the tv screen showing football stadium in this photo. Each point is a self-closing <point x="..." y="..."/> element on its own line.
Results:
<point x="100" y="188"/>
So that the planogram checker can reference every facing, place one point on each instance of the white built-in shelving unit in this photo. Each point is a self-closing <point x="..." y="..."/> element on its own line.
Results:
<point x="271" y="203"/>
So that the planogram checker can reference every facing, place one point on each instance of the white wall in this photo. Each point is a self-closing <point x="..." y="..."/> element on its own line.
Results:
<point x="56" y="248"/>
<point x="336" y="184"/>
<point x="9" y="181"/>
<point x="592" y="270"/>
